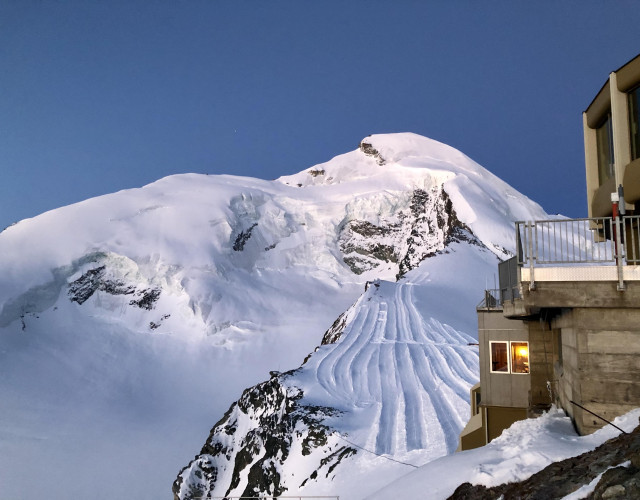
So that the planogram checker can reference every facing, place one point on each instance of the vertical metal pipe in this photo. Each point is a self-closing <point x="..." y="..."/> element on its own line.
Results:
<point x="532" y="282"/>
<point x="632" y="229"/>
<point x="593" y="244"/>
<point x="573" y="242"/>
<point x="554" y="235"/>
<point x="619" y="255"/>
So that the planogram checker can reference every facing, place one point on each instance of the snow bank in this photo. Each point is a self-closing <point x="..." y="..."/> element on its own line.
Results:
<point x="522" y="450"/>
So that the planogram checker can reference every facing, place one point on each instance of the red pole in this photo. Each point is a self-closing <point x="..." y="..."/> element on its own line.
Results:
<point x="615" y="215"/>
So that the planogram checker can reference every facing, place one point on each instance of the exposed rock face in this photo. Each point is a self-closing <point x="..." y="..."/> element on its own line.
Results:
<point x="369" y="150"/>
<point x="404" y="239"/>
<point x="112" y="282"/>
<point x="333" y="334"/>
<point x="242" y="237"/>
<point x="246" y="450"/>
<point x="562" y="478"/>
<point x="98" y="279"/>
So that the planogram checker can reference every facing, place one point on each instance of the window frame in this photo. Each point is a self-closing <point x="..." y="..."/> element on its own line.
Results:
<point x="604" y="149"/>
<point x="511" y="357"/>
<point x="509" y="370"/>
<point x="491" y="370"/>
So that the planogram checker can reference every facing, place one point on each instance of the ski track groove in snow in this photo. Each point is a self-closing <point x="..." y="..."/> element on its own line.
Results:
<point x="415" y="370"/>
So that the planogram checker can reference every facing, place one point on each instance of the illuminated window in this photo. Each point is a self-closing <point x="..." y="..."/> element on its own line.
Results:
<point x="499" y="357"/>
<point x="519" y="357"/>
<point x="509" y="357"/>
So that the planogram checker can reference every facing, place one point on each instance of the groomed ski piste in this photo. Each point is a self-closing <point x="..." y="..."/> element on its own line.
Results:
<point x="130" y="322"/>
<point x="397" y="377"/>
<point x="400" y="374"/>
<point x="416" y="371"/>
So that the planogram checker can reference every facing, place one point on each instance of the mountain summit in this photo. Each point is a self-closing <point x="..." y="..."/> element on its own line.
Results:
<point x="130" y="322"/>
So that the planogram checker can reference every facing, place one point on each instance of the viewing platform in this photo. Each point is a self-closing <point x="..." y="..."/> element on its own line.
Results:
<point x="571" y="263"/>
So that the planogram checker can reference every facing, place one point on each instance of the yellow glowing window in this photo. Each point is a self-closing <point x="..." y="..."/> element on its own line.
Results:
<point x="519" y="357"/>
<point x="499" y="357"/>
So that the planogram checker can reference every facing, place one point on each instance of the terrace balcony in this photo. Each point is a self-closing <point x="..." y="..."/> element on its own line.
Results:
<point x="566" y="263"/>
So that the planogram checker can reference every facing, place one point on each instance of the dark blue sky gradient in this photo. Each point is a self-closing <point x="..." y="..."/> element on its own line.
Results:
<point x="101" y="96"/>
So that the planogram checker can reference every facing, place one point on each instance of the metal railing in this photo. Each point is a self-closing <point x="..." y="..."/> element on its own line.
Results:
<point x="602" y="241"/>
<point x="492" y="300"/>
<point x="569" y="241"/>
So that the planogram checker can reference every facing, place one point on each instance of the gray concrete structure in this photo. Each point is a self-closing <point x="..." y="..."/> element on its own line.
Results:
<point x="594" y="333"/>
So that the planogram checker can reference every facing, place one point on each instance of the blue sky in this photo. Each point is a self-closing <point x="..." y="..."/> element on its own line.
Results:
<point x="101" y="96"/>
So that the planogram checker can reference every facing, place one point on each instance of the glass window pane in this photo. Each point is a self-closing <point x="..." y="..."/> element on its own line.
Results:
<point x="519" y="357"/>
<point x="604" y="137"/>
<point x="634" y="122"/>
<point x="499" y="360"/>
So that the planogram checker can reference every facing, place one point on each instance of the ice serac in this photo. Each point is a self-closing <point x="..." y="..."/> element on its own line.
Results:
<point x="388" y="387"/>
<point x="127" y="321"/>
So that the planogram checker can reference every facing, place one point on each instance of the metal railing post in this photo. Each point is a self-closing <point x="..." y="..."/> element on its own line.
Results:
<point x="532" y="282"/>
<point x="619" y="255"/>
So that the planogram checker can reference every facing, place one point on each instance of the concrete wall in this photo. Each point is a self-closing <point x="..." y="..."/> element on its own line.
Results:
<point x="542" y="354"/>
<point x="600" y="366"/>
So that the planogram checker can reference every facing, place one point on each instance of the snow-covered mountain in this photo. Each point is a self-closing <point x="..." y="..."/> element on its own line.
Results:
<point x="393" y="374"/>
<point x="130" y="322"/>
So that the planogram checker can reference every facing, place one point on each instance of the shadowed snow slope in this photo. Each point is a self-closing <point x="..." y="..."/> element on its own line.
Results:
<point x="130" y="322"/>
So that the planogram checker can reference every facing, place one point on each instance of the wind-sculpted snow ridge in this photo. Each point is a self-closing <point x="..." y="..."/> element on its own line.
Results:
<point x="141" y="308"/>
<point x="388" y="389"/>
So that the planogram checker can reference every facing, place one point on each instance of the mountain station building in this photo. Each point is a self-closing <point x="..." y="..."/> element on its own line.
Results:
<point x="564" y="327"/>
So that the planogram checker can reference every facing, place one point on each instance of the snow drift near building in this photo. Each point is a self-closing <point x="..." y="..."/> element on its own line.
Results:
<point x="130" y="322"/>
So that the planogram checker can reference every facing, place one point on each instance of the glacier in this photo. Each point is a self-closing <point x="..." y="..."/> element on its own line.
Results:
<point x="131" y="322"/>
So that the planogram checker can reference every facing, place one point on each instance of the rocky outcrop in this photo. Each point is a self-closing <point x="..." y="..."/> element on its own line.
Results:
<point x="106" y="280"/>
<point x="617" y="481"/>
<point x="368" y="149"/>
<point x="243" y="237"/>
<point x="424" y="227"/>
<point x="247" y="449"/>
<point x="335" y="331"/>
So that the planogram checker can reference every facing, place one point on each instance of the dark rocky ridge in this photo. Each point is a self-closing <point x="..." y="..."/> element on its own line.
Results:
<point x="278" y="418"/>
